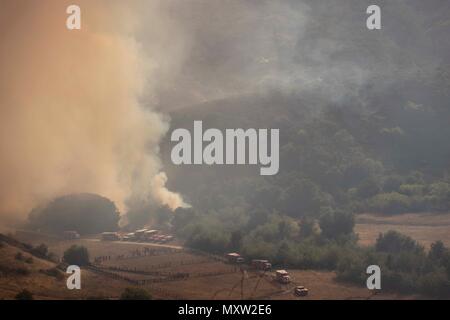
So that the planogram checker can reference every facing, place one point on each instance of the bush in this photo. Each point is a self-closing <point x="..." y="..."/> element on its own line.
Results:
<point x="413" y="189"/>
<point x="85" y="213"/>
<point x="439" y="196"/>
<point x="398" y="281"/>
<point x="390" y="203"/>
<point x="19" y="256"/>
<point x="352" y="269"/>
<point x="434" y="284"/>
<point x="24" y="295"/>
<point x="392" y="183"/>
<point x="395" y="242"/>
<point x="54" y="272"/>
<point x="307" y="227"/>
<point x="215" y="241"/>
<point x="19" y="271"/>
<point x="40" y="251"/>
<point x="76" y="255"/>
<point x="437" y="251"/>
<point x="135" y="294"/>
<point x="336" y="223"/>
<point x="367" y="189"/>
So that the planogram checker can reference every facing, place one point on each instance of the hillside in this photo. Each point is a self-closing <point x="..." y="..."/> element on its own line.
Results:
<point x="19" y="270"/>
<point x="347" y="152"/>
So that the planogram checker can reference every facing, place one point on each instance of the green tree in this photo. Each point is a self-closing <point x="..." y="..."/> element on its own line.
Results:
<point x="307" y="227"/>
<point x="437" y="251"/>
<point x="85" y="213"/>
<point x="395" y="242"/>
<point x="77" y="255"/>
<point x="335" y="223"/>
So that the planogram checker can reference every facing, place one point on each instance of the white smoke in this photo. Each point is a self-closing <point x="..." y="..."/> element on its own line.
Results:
<point x="72" y="117"/>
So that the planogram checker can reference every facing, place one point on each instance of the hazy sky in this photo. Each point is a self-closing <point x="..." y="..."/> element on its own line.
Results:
<point x="77" y="108"/>
<point x="213" y="49"/>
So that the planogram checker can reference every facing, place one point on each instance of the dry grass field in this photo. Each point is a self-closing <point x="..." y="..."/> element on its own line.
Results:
<point x="47" y="287"/>
<point x="172" y="272"/>
<point x="208" y="276"/>
<point x="422" y="227"/>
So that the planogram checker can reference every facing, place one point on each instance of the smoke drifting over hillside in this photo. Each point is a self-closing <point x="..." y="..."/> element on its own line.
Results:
<point x="76" y="106"/>
<point x="70" y="107"/>
<point x="244" y="47"/>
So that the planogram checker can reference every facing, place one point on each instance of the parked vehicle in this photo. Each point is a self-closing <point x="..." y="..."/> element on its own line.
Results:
<point x="71" y="235"/>
<point x="129" y="237"/>
<point x="110" y="236"/>
<point x="234" y="257"/>
<point x="283" y="276"/>
<point x="264" y="265"/>
<point x="301" y="291"/>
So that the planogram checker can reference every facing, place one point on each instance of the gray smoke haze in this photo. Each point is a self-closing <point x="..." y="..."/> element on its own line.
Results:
<point x="77" y="110"/>
<point x="72" y="119"/>
<point x="237" y="47"/>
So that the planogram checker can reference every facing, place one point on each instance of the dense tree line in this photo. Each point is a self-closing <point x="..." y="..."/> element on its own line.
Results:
<point x="84" y="213"/>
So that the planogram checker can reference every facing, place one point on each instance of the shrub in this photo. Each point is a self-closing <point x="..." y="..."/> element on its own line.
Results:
<point x="19" y="271"/>
<point x="395" y="242"/>
<point x="20" y="257"/>
<point x="307" y="227"/>
<point x="368" y="189"/>
<point x="53" y="272"/>
<point x="76" y="255"/>
<point x="412" y="189"/>
<point x="209" y="240"/>
<point x="392" y="183"/>
<point x="439" y="196"/>
<point x="398" y="281"/>
<point x="437" y="251"/>
<point x="24" y="295"/>
<point x="40" y="251"/>
<point x="390" y="203"/>
<point x="352" y="269"/>
<point x="135" y="294"/>
<point x="336" y="223"/>
<point x="434" y="284"/>
<point x="86" y="213"/>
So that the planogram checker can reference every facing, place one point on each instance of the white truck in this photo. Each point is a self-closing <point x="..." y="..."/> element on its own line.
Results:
<point x="283" y="276"/>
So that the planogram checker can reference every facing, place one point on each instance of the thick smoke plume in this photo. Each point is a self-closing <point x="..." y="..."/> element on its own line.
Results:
<point x="72" y="117"/>
<point x="75" y="106"/>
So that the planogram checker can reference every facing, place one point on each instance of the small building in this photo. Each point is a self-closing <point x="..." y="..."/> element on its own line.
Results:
<point x="110" y="236"/>
<point x="71" y="235"/>
<point x="234" y="257"/>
